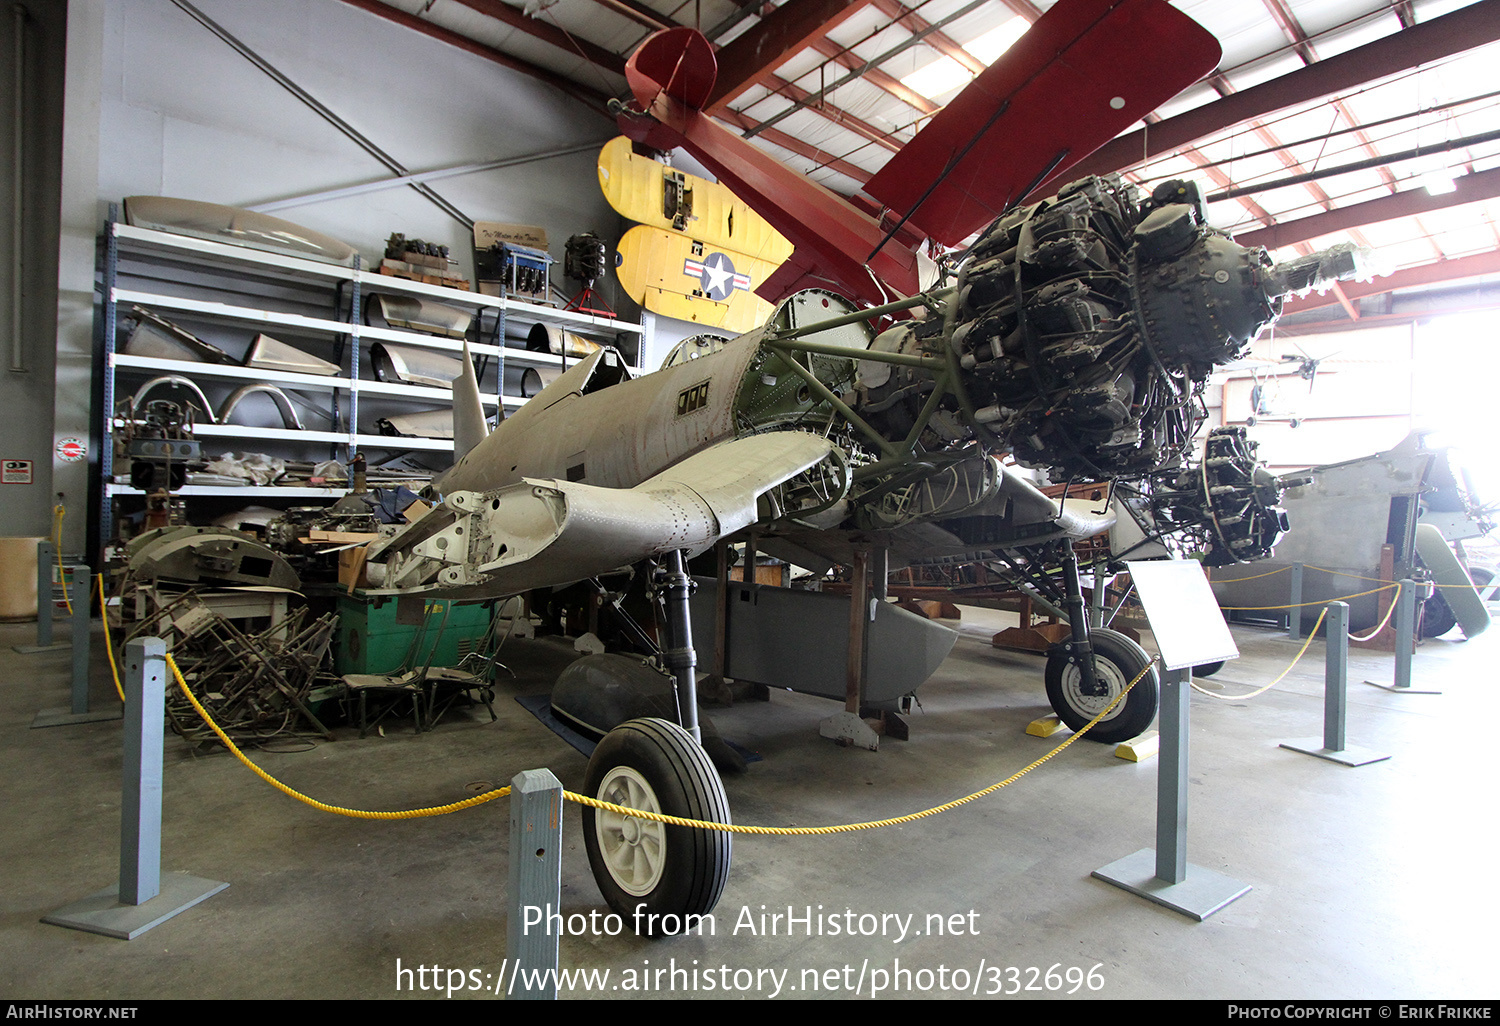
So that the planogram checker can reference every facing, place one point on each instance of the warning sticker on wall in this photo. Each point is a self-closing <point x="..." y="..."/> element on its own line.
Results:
<point x="71" y="450"/>
<point x="16" y="472"/>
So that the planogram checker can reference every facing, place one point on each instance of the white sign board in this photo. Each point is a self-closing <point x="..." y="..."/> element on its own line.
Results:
<point x="1185" y="619"/>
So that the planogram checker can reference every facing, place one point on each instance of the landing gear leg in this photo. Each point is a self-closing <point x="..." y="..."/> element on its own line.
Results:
<point x="659" y="877"/>
<point x="1085" y="673"/>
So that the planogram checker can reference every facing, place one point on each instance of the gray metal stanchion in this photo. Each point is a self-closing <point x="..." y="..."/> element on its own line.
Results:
<point x="1163" y="875"/>
<point x="78" y="711"/>
<point x="1189" y="630"/>
<point x="1406" y="640"/>
<point x="1335" y="698"/>
<point x="535" y="890"/>
<point x="142" y="899"/>
<point x="1294" y="614"/>
<point x="46" y="555"/>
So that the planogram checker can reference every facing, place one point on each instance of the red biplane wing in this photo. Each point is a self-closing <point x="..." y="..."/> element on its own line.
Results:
<point x="1082" y="74"/>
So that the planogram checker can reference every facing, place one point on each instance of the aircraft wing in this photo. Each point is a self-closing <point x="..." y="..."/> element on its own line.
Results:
<point x="1086" y="71"/>
<point x="545" y="533"/>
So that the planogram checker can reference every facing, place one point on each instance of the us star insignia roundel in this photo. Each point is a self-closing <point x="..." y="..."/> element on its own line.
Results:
<point x="716" y="276"/>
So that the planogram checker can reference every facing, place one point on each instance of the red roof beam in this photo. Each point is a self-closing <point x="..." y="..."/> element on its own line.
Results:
<point x="752" y="58"/>
<point x="1474" y="188"/>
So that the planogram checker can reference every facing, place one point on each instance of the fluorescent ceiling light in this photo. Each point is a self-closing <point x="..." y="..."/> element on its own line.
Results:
<point x="1438" y="181"/>
<point x="945" y="74"/>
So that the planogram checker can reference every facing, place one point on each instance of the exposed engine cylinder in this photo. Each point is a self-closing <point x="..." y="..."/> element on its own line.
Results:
<point x="1091" y="321"/>
<point x="1227" y="503"/>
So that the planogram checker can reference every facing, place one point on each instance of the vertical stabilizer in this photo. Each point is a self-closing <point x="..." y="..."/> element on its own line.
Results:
<point x="469" y="428"/>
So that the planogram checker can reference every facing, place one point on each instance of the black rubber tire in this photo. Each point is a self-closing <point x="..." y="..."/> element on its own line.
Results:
<point x="1205" y="669"/>
<point x="1437" y="617"/>
<point x="1118" y="660"/>
<point x="678" y="871"/>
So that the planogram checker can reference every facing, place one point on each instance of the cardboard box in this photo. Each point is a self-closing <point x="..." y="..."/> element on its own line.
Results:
<point x="352" y="567"/>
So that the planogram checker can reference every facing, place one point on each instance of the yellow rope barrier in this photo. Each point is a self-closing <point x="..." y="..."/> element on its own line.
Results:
<point x="109" y="645"/>
<point x="440" y="810"/>
<point x="639" y="814"/>
<point x="1381" y="625"/>
<point x="1320" y="602"/>
<point x="58" y="512"/>
<point x="1268" y="573"/>
<point x="1260" y="691"/>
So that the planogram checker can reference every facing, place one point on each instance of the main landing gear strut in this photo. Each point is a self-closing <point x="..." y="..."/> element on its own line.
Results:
<point x="654" y="875"/>
<point x="1086" y="672"/>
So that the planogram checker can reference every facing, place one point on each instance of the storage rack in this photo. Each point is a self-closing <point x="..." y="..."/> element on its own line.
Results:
<point x="188" y="279"/>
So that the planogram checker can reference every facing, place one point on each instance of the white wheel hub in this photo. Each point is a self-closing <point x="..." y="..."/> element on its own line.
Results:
<point x="1105" y="673"/>
<point x="634" y="849"/>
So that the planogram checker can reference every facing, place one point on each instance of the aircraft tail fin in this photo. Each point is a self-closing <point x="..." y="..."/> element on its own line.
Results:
<point x="469" y="427"/>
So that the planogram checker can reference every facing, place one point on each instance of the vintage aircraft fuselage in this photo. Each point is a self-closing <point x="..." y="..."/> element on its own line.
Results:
<point x="1077" y="336"/>
<point x="597" y="425"/>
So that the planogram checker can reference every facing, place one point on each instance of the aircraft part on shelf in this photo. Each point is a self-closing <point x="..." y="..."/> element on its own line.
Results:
<point x="232" y="224"/>
<point x="659" y="196"/>
<point x="421" y="424"/>
<point x="158" y="337"/>
<point x="266" y="353"/>
<point x="779" y="637"/>
<point x="289" y="416"/>
<point x="207" y="555"/>
<point x="177" y="381"/>
<point x="414" y="366"/>
<point x="545" y="338"/>
<point x="534" y="379"/>
<point x="424" y="315"/>
<point x="681" y="276"/>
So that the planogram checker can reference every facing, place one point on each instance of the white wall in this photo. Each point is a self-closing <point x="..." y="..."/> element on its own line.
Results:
<point x="157" y="104"/>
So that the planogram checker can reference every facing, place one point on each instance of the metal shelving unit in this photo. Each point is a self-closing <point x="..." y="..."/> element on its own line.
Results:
<point x="239" y="292"/>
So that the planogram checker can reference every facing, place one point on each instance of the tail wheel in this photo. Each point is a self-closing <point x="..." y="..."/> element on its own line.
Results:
<point x="654" y="875"/>
<point x="1117" y="662"/>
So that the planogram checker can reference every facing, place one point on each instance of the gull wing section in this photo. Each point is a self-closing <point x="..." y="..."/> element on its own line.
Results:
<point x="544" y="533"/>
<point x="1086" y="71"/>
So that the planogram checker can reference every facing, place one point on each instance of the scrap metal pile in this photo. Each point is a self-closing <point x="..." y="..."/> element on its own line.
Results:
<point x="254" y="686"/>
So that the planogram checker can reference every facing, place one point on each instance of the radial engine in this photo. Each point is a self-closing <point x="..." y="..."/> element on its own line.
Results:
<point x="1087" y="325"/>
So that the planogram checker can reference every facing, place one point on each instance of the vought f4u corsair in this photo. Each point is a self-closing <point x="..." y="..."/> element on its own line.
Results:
<point x="1075" y="336"/>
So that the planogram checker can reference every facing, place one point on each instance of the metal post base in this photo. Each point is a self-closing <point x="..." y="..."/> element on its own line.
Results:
<point x="105" y="913"/>
<point x="1400" y="690"/>
<point x="1201" y="893"/>
<point x="1354" y="756"/>
<point x="67" y="717"/>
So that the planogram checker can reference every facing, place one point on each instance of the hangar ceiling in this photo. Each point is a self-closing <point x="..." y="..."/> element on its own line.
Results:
<point x="1328" y="120"/>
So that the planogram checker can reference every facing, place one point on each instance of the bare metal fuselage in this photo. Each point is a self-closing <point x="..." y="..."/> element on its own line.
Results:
<point x="616" y="436"/>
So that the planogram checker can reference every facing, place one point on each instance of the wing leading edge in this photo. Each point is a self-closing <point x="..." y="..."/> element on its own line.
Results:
<point x="545" y="533"/>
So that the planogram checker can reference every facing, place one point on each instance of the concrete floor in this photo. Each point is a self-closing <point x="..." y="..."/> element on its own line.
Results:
<point x="1367" y="883"/>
